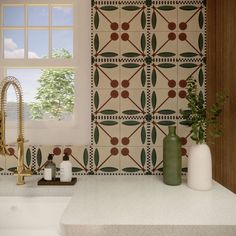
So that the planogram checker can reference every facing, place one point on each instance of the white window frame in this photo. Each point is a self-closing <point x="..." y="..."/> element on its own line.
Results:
<point x="76" y="132"/>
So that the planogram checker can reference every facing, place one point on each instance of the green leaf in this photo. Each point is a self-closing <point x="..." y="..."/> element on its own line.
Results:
<point x="96" y="157"/>
<point x="143" y="77"/>
<point x="143" y="99"/>
<point x="154" y="100"/>
<point x="12" y="169"/>
<point x="154" y="77"/>
<point x="108" y="8"/>
<point x="166" y="122"/>
<point x="201" y="135"/>
<point x="85" y="156"/>
<point x="185" y="169"/>
<point x="1" y="169"/>
<point x="154" y="42"/>
<point x="96" y="42"/>
<point x="160" y="169"/>
<point x="96" y="135"/>
<point x="143" y="135"/>
<point x="200" y="19"/>
<point x="154" y="20"/>
<point x="200" y="77"/>
<point x="131" y="112"/>
<point x="188" y="65"/>
<point x="188" y="54"/>
<point x="143" y="157"/>
<point x="131" y="169"/>
<point x="130" y="122"/>
<point x="200" y="41"/>
<point x="109" y="123"/>
<point x="166" y="8"/>
<point x="166" y="54"/>
<point x="109" y="65"/>
<point x="131" y="8"/>
<point x="143" y="42"/>
<point x="154" y="157"/>
<point x="109" y="169"/>
<point x="96" y="20"/>
<point x="166" y="112"/>
<point x="76" y="169"/>
<point x="96" y="100"/>
<point x="39" y="157"/>
<point x="96" y="77"/>
<point x="143" y="20"/>
<point x="188" y="8"/>
<point x="130" y="54"/>
<point x="131" y="65"/>
<point x="201" y="97"/>
<point x="109" y="54"/>
<point x="28" y="157"/>
<point x="186" y="123"/>
<point x="166" y="65"/>
<point x="109" y="112"/>
<point x="154" y="134"/>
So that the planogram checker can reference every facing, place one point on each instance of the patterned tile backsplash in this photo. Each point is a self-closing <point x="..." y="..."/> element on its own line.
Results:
<point x="142" y="53"/>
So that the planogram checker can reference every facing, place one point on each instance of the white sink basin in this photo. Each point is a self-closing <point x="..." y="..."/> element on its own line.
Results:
<point x="31" y="216"/>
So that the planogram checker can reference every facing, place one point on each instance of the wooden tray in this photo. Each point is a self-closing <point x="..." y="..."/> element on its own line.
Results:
<point x="56" y="182"/>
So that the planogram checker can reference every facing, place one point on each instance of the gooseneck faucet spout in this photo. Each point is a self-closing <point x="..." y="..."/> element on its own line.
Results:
<point x="21" y="171"/>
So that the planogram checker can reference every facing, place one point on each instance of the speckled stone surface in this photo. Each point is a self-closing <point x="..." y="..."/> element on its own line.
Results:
<point x="143" y="205"/>
<point x="8" y="187"/>
<point x="136" y="206"/>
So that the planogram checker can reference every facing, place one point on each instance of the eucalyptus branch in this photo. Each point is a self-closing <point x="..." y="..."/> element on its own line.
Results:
<point x="198" y="117"/>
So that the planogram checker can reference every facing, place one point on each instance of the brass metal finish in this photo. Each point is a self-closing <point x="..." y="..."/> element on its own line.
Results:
<point x="21" y="171"/>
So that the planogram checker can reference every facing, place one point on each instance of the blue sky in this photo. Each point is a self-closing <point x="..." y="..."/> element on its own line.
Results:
<point x="37" y="38"/>
<point x="28" y="79"/>
<point x="13" y="16"/>
<point x="37" y="41"/>
<point x="38" y="16"/>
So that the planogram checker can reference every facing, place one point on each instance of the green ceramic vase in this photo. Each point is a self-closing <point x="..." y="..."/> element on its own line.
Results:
<point x="172" y="160"/>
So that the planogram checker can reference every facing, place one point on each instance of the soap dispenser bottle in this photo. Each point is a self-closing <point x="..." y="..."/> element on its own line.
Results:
<point x="66" y="169"/>
<point x="50" y="169"/>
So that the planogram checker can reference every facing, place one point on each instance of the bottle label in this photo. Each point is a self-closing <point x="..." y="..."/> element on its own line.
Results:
<point x="65" y="172"/>
<point x="48" y="174"/>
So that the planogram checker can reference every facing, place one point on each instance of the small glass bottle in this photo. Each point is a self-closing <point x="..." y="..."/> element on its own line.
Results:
<point x="50" y="169"/>
<point x="66" y="169"/>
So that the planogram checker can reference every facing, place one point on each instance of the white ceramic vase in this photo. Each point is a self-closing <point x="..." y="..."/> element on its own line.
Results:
<point x="199" y="176"/>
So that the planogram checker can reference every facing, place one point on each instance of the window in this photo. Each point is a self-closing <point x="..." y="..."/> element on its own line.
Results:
<point x="41" y="48"/>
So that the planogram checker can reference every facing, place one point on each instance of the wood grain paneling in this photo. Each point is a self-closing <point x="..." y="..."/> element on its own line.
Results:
<point x="221" y="75"/>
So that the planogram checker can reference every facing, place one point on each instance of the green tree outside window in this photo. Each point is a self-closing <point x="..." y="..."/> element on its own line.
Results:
<point x="55" y="95"/>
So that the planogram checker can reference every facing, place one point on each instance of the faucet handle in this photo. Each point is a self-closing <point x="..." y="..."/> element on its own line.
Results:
<point x="20" y="176"/>
<point x="26" y="172"/>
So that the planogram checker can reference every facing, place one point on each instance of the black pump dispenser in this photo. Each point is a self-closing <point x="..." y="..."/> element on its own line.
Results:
<point x="50" y="157"/>
<point x="65" y="157"/>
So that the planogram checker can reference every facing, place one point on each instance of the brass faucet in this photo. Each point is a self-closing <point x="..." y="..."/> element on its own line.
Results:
<point x="21" y="171"/>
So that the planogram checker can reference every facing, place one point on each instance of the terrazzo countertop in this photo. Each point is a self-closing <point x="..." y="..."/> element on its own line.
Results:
<point x="8" y="187"/>
<point x="143" y="205"/>
<point x="135" y="206"/>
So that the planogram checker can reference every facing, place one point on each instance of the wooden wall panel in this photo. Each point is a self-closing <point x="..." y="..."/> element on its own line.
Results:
<point x="221" y="75"/>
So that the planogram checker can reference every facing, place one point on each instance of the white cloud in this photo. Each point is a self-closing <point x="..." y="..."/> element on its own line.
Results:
<point x="65" y="10"/>
<point x="12" y="50"/>
<point x="19" y="53"/>
<point x="9" y="44"/>
<point x="33" y="55"/>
